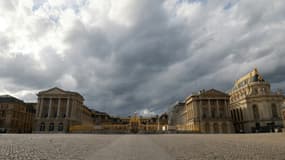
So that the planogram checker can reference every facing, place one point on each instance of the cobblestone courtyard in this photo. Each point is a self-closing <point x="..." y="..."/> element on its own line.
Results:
<point x="142" y="147"/>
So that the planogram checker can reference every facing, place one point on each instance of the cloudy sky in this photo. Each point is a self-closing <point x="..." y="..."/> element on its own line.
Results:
<point x="128" y="56"/>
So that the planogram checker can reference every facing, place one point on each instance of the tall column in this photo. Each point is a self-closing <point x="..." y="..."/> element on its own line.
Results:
<point x="67" y="107"/>
<point x="218" y="108"/>
<point x="209" y="109"/>
<point x="73" y="109"/>
<point x="41" y="106"/>
<point x="227" y="112"/>
<point x="196" y="111"/>
<point x="49" y="107"/>
<point x="58" y="108"/>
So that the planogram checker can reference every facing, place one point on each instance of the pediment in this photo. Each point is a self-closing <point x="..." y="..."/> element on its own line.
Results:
<point x="213" y="93"/>
<point x="54" y="90"/>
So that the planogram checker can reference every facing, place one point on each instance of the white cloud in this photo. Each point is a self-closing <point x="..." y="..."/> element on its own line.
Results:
<point x="68" y="82"/>
<point x="146" y="113"/>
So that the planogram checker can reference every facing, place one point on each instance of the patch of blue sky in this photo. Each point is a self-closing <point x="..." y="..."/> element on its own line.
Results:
<point x="230" y="4"/>
<point x="54" y="19"/>
<point x="37" y="4"/>
<point x="75" y="6"/>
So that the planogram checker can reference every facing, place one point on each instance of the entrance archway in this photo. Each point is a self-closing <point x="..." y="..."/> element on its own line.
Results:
<point x="134" y="124"/>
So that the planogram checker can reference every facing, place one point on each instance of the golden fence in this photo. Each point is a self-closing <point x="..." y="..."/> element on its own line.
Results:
<point x="81" y="128"/>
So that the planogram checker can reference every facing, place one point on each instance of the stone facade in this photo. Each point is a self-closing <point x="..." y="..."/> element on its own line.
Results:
<point x="176" y="118"/>
<point x="254" y="107"/>
<point x="208" y="112"/>
<point x="58" y="110"/>
<point x="15" y="115"/>
<point x="283" y="114"/>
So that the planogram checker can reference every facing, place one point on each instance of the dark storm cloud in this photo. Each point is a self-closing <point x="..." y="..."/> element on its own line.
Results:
<point x="122" y="67"/>
<point x="23" y="70"/>
<point x="161" y="52"/>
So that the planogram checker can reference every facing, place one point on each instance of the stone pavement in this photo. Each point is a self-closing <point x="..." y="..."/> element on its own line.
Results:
<point x="142" y="147"/>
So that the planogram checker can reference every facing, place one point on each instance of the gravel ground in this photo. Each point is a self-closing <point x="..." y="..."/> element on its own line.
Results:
<point x="142" y="147"/>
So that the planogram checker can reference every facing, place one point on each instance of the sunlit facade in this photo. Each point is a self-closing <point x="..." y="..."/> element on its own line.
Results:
<point x="253" y="106"/>
<point x="58" y="110"/>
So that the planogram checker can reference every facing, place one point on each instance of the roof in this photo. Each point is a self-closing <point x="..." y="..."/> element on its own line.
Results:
<point x="100" y="113"/>
<point x="8" y="98"/>
<point x="250" y="77"/>
<point x="209" y="93"/>
<point x="213" y="92"/>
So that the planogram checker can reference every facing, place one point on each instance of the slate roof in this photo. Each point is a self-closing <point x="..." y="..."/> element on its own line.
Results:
<point x="8" y="99"/>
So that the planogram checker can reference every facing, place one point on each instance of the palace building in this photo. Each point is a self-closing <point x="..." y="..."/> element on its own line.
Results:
<point x="250" y="106"/>
<point x="253" y="106"/>
<point x="204" y="112"/>
<point x="16" y="116"/>
<point x="208" y="112"/>
<point x="58" y="110"/>
<point x="176" y="118"/>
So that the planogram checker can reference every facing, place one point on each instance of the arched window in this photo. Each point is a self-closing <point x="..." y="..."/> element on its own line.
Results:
<point x="224" y="128"/>
<point x="237" y="113"/>
<point x="51" y="127"/>
<point x="216" y="128"/>
<point x="241" y="114"/>
<point x="255" y="91"/>
<point x="207" y="127"/>
<point x="255" y="112"/>
<point x="42" y="126"/>
<point x="60" y="127"/>
<point x="274" y="111"/>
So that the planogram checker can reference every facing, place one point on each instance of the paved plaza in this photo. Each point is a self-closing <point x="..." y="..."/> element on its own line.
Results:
<point x="142" y="147"/>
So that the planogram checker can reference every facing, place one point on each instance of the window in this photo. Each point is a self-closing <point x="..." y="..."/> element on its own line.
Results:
<point x="3" y="114"/>
<point x="222" y="112"/>
<point x="224" y="128"/>
<point x="42" y="126"/>
<point x="207" y="127"/>
<point x="51" y="127"/>
<point x="205" y="112"/>
<point x="255" y="112"/>
<point x="241" y="114"/>
<point x="213" y="111"/>
<point x="237" y="114"/>
<point x="255" y="91"/>
<point x="274" y="111"/>
<point x="60" y="127"/>
<point x="216" y="128"/>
